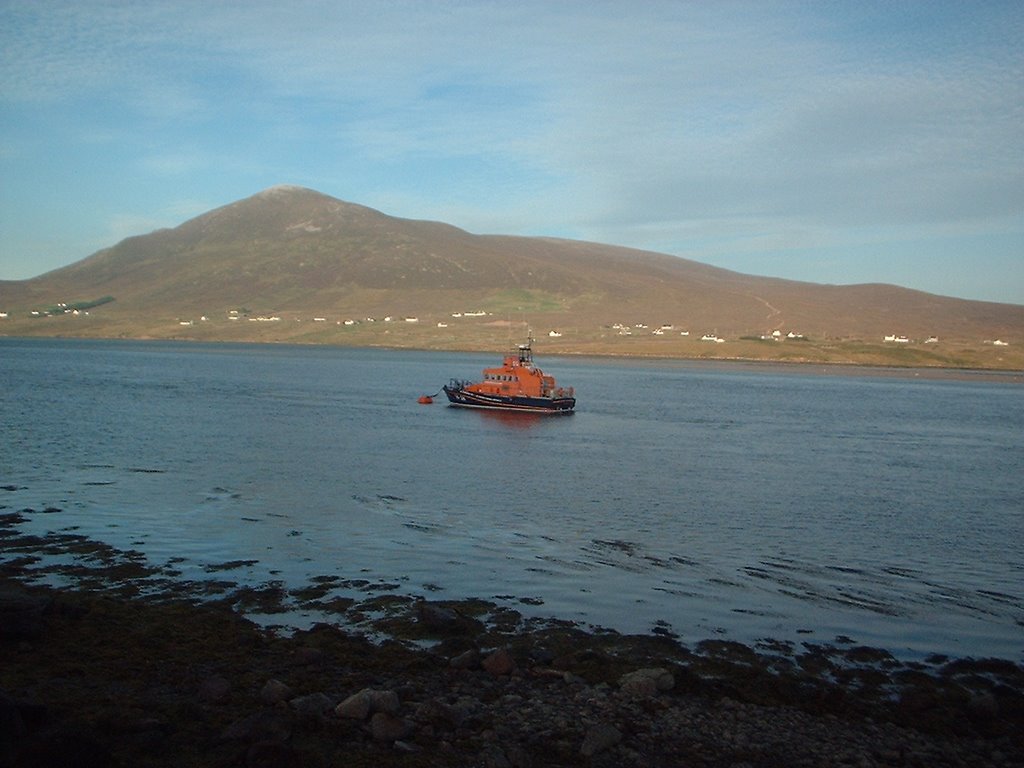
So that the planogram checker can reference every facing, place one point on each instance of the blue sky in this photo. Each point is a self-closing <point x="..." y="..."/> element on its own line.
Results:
<point x="833" y="142"/>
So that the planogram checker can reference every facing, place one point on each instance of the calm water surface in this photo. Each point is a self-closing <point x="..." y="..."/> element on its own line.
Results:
<point x="731" y="501"/>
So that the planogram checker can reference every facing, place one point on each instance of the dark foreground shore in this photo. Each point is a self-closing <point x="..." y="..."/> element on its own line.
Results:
<point x="106" y="674"/>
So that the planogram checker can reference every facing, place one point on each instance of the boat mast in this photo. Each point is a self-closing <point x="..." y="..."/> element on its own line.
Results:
<point x="525" y="351"/>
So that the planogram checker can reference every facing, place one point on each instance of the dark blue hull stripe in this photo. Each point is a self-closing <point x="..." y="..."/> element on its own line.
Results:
<point x="464" y="399"/>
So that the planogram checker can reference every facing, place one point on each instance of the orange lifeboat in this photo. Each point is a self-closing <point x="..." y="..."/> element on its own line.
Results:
<point x="517" y="385"/>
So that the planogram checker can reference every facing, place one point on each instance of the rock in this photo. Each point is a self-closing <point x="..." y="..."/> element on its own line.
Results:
<point x="308" y="656"/>
<point x="368" y="701"/>
<point x="384" y="701"/>
<point x="467" y="660"/>
<point x="983" y="706"/>
<point x="599" y="738"/>
<point x="494" y="756"/>
<point x="356" y="707"/>
<point x="387" y="727"/>
<point x="215" y="690"/>
<point x="916" y="701"/>
<point x="499" y="663"/>
<point x="268" y="725"/>
<point x="313" y="705"/>
<point x="438" y="713"/>
<point x="132" y="720"/>
<point x="446" y="620"/>
<point x="21" y="614"/>
<point x="645" y="683"/>
<point x="434" y="615"/>
<point x="517" y="756"/>
<point x="66" y="743"/>
<point x="12" y="725"/>
<point x="274" y="692"/>
<point x="268" y="754"/>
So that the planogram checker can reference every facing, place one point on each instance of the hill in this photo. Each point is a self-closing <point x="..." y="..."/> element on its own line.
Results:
<point x="291" y="264"/>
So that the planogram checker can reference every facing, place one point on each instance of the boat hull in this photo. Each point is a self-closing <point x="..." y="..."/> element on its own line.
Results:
<point x="465" y="398"/>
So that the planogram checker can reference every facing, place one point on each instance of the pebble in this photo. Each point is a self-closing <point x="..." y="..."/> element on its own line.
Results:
<point x="269" y="754"/>
<point x="446" y="620"/>
<point x="21" y="614"/>
<point x="438" y="713"/>
<point x="312" y="705"/>
<point x="647" y="682"/>
<point x="366" y="702"/>
<point x="599" y="738"/>
<point x="268" y="725"/>
<point x="499" y="663"/>
<point x="466" y="660"/>
<point x="387" y="727"/>
<point x="274" y="692"/>
<point x="308" y="656"/>
<point x="215" y="690"/>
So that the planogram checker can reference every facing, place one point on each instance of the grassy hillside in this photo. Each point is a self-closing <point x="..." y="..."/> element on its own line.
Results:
<point x="291" y="264"/>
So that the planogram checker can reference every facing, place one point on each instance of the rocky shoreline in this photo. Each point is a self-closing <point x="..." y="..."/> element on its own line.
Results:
<point x="117" y="676"/>
<point x="129" y="682"/>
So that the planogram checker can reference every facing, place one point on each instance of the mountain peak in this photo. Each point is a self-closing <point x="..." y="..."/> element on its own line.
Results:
<point x="281" y="189"/>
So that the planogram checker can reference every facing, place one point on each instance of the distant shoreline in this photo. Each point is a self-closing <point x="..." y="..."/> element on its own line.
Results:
<point x="826" y="367"/>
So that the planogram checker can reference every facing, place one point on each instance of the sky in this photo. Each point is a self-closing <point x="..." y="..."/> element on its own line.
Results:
<point x="832" y="142"/>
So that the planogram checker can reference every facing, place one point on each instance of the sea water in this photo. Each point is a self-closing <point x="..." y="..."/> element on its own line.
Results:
<point x="706" y="500"/>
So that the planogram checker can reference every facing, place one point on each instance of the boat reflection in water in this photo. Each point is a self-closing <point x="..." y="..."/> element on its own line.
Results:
<point x="514" y="420"/>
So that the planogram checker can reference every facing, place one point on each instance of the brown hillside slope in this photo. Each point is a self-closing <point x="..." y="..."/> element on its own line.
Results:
<point x="298" y="254"/>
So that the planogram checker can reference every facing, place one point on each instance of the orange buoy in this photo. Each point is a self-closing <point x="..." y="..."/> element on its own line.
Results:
<point x="425" y="400"/>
